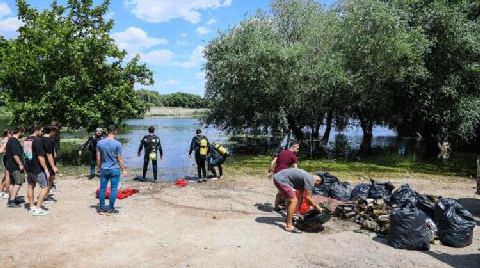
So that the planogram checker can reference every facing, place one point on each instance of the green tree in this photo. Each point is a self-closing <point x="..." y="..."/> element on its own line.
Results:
<point x="445" y="103"/>
<point x="184" y="100"/>
<point x="276" y="69"/>
<point x="150" y="98"/>
<point x="64" y="65"/>
<point x="381" y="51"/>
<point x="242" y="73"/>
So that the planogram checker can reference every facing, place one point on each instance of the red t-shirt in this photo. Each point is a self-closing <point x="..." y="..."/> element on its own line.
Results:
<point x="286" y="159"/>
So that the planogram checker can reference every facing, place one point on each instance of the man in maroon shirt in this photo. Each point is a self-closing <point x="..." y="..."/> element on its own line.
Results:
<point x="285" y="159"/>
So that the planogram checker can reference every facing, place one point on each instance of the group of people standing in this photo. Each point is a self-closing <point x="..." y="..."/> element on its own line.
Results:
<point x="34" y="161"/>
<point x="106" y="156"/>
<point x="206" y="154"/>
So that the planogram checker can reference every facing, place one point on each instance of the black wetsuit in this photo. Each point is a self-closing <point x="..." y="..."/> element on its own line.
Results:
<point x="91" y="143"/>
<point x="152" y="144"/>
<point x="199" y="159"/>
<point x="215" y="159"/>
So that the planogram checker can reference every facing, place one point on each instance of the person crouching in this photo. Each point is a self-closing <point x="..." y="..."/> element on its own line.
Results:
<point x="289" y="180"/>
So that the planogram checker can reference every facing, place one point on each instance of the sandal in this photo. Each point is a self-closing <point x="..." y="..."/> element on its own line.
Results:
<point x="293" y="231"/>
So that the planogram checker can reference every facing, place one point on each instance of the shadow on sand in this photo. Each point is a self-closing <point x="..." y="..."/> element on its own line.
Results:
<point x="472" y="205"/>
<point x="265" y="207"/>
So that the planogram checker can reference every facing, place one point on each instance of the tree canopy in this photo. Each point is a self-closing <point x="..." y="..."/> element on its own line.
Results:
<point x="64" y="65"/>
<point x="178" y="99"/>
<point x="409" y="65"/>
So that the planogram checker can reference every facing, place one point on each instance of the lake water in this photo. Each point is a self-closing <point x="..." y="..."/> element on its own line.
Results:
<point x="176" y="134"/>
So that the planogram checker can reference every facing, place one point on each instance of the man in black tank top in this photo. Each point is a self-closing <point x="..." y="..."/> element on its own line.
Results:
<point x="152" y="145"/>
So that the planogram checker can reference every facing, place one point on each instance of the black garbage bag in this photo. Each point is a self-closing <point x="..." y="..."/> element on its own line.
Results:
<point x="426" y="203"/>
<point x="408" y="229"/>
<point x="455" y="223"/>
<point x="327" y="181"/>
<point x="403" y="196"/>
<point x="442" y="205"/>
<point x="341" y="191"/>
<point x="381" y="190"/>
<point x="313" y="220"/>
<point x="360" y="191"/>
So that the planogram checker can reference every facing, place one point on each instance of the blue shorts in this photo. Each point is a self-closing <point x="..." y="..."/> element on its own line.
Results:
<point x="41" y="179"/>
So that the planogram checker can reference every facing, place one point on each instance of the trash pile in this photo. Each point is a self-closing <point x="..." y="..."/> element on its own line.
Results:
<point x="410" y="220"/>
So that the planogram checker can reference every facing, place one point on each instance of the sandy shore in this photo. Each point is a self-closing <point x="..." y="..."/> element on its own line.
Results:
<point x="217" y="224"/>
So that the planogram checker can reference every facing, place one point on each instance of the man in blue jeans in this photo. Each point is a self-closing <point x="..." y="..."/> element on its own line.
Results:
<point x="110" y="166"/>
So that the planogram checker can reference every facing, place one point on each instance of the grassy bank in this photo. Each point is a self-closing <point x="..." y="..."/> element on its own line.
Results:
<point x="379" y="166"/>
<point x="175" y="112"/>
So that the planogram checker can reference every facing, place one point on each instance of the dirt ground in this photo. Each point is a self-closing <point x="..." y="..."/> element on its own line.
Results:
<point x="224" y="223"/>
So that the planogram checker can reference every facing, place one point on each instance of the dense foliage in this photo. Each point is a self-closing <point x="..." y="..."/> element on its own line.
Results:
<point x="64" y="65"/>
<point x="412" y="65"/>
<point x="153" y="98"/>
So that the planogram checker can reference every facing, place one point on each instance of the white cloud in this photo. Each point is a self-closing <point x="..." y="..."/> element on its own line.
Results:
<point x="4" y="10"/>
<point x="166" y="10"/>
<point x="195" y="59"/>
<point x="184" y="35"/>
<point x="157" y="57"/>
<point x="211" y="21"/>
<point x="9" y="26"/>
<point x="202" y="30"/>
<point x="134" y="39"/>
<point x="169" y="83"/>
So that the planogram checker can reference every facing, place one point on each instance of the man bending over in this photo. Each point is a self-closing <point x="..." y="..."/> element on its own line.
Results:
<point x="289" y="180"/>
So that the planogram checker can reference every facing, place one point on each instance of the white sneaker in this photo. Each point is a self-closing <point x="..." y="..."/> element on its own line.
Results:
<point x="4" y="195"/>
<point x="31" y="210"/>
<point x="40" y="212"/>
<point x="214" y="179"/>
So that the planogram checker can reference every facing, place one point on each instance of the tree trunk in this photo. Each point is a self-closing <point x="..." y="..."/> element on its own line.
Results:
<point x="328" y="128"/>
<point x="297" y="132"/>
<point x="478" y="174"/>
<point x="316" y="142"/>
<point x="367" y="129"/>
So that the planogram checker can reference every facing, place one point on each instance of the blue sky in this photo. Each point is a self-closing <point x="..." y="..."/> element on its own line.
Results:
<point x="169" y="35"/>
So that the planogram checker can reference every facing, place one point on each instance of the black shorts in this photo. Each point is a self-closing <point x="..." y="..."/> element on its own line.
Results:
<point x="4" y="160"/>
<point x="50" y="170"/>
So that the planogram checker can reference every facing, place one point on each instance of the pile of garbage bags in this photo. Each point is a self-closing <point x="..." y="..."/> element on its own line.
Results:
<point x="410" y="220"/>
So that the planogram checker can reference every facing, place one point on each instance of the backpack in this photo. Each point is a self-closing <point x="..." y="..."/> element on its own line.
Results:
<point x="151" y="142"/>
<point x="221" y="150"/>
<point x="203" y="146"/>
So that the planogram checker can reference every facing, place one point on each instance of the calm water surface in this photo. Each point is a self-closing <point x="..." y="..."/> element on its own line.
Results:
<point x="176" y="134"/>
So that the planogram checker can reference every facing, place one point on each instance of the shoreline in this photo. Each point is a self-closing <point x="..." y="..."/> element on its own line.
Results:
<point x="179" y="112"/>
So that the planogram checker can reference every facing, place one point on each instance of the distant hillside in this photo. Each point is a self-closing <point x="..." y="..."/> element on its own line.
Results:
<point x="184" y="100"/>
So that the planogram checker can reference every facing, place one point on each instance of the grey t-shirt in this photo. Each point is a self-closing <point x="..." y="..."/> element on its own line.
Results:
<point x="299" y="179"/>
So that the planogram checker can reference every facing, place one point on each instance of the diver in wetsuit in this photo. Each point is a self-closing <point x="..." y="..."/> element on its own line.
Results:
<point x="151" y="143"/>
<point x="91" y="143"/>
<point x="218" y="155"/>
<point x="199" y="145"/>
